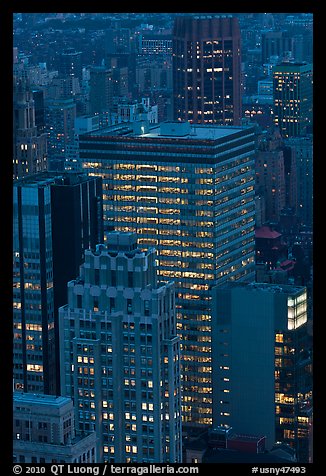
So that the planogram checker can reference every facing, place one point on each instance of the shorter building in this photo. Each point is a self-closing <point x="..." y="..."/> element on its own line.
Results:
<point x="120" y="361"/>
<point x="44" y="431"/>
<point x="269" y="246"/>
<point x="222" y="445"/>
<point x="292" y="96"/>
<point x="155" y="44"/>
<point x="262" y="364"/>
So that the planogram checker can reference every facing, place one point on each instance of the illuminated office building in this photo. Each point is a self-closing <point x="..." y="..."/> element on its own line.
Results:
<point x="189" y="192"/>
<point x="292" y="96"/>
<point x="262" y="378"/>
<point x="121" y="359"/>
<point x="206" y="70"/>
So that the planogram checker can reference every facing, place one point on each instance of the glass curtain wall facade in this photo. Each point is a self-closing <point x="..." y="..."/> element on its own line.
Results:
<point x="33" y="305"/>
<point x="189" y="193"/>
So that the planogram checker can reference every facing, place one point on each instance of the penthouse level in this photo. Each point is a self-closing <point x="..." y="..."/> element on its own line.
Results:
<point x="198" y="140"/>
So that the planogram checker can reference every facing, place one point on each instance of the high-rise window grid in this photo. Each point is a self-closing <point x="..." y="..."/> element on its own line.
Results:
<point x="198" y="213"/>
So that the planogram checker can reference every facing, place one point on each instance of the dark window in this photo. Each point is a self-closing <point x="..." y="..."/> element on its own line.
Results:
<point x="129" y="306"/>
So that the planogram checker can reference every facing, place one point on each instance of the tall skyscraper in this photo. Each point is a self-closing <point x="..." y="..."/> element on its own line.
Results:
<point x="270" y="175"/>
<point x="188" y="191"/>
<point x="206" y="70"/>
<point x="70" y="64"/>
<point x="29" y="143"/>
<point x="262" y="378"/>
<point x="276" y="43"/>
<point x="55" y="218"/>
<point x="292" y="96"/>
<point x="303" y="152"/>
<point x="121" y="358"/>
<point x="60" y="120"/>
<point x="101" y="89"/>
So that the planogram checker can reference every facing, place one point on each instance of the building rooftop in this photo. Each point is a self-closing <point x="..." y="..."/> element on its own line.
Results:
<point x="168" y="130"/>
<point x="289" y="67"/>
<point x="253" y="286"/>
<point x="57" y="178"/>
<point x="220" y="455"/>
<point x="40" y="399"/>
<point x="266" y="232"/>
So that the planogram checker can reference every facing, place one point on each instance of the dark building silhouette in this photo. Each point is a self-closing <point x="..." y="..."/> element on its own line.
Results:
<point x="206" y="70"/>
<point x="101" y="89"/>
<point x="265" y="387"/>
<point x="276" y="43"/>
<point x="38" y="97"/>
<point x="29" y="142"/>
<point x="60" y="121"/>
<point x="70" y="63"/>
<point x="56" y="217"/>
<point x="270" y="175"/>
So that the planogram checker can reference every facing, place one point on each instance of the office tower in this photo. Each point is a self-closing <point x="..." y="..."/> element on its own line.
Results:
<point x="188" y="191"/>
<point x="117" y="41"/>
<point x="276" y="43"/>
<point x="101" y="89"/>
<point x="262" y="367"/>
<point x="153" y="74"/>
<point x="44" y="431"/>
<point x="38" y="97"/>
<point x="290" y="173"/>
<point x="82" y="124"/>
<point x="55" y="218"/>
<point x="70" y="64"/>
<point x="29" y="143"/>
<point x="270" y="175"/>
<point x="155" y="44"/>
<point x="206" y="70"/>
<point x="303" y="152"/>
<point x="292" y="95"/>
<point x="60" y="119"/>
<point x="121" y="359"/>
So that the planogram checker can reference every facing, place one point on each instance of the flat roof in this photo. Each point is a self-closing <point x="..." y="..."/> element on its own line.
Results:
<point x="57" y="178"/>
<point x="40" y="399"/>
<point x="196" y="131"/>
<point x="253" y="286"/>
